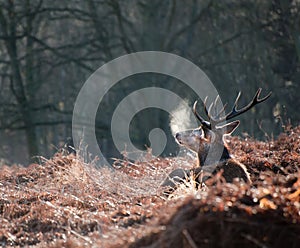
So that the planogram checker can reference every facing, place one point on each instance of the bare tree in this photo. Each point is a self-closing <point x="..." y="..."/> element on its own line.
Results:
<point x="29" y="57"/>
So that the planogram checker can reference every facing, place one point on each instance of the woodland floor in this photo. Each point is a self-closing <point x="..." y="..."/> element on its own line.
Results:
<point x="66" y="203"/>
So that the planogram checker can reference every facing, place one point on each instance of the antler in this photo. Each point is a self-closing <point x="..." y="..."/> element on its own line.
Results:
<point x="213" y="121"/>
<point x="202" y="121"/>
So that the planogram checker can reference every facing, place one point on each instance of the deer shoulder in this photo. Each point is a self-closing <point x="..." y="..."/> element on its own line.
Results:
<point x="233" y="169"/>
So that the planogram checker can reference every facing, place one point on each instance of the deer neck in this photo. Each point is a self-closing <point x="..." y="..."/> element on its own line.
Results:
<point x="213" y="154"/>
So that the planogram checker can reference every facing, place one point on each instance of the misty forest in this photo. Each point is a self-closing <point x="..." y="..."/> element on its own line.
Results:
<point x="57" y="194"/>
<point x="49" y="49"/>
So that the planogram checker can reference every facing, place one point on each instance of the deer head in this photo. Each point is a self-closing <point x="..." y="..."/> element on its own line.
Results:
<point x="209" y="136"/>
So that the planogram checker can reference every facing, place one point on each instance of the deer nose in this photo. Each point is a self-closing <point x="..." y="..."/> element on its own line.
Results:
<point x="177" y="136"/>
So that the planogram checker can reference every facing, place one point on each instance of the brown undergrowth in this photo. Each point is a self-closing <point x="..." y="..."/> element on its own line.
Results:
<point x="65" y="202"/>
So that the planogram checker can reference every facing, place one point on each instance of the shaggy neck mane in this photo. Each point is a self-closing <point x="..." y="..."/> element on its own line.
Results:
<point x="214" y="155"/>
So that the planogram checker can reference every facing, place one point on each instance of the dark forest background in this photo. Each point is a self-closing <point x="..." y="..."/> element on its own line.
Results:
<point x="48" y="49"/>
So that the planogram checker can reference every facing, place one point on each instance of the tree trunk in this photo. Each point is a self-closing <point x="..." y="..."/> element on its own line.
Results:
<point x="31" y="136"/>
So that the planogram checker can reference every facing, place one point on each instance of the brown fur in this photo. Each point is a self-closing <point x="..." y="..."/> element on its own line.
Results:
<point x="204" y="141"/>
<point x="231" y="169"/>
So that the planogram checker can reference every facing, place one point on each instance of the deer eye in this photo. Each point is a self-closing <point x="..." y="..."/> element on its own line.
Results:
<point x="198" y="132"/>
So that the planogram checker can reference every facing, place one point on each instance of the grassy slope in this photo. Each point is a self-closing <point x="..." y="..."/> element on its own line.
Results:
<point x="67" y="203"/>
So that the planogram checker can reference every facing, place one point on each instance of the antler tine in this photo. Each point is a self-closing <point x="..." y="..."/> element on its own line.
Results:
<point x="221" y="111"/>
<point x="214" y="116"/>
<point x="210" y="110"/>
<point x="235" y="112"/>
<point x="234" y="108"/>
<point x="215" y="107"/>
<point x="236" y="101"/>
<point x="204" y="106"/>
<point x="216" y="101"/>
<point x="264" y="98"/>
<point x="202" y="121"/>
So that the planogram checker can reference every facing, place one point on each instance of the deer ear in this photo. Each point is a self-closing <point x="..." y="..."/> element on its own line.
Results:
<point x="229" y="127"/>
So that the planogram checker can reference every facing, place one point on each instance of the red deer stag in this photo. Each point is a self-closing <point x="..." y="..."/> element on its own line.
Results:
<point x="208" y="139"/>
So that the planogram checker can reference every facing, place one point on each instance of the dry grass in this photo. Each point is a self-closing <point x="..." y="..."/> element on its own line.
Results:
<point x="67" y="203"/>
